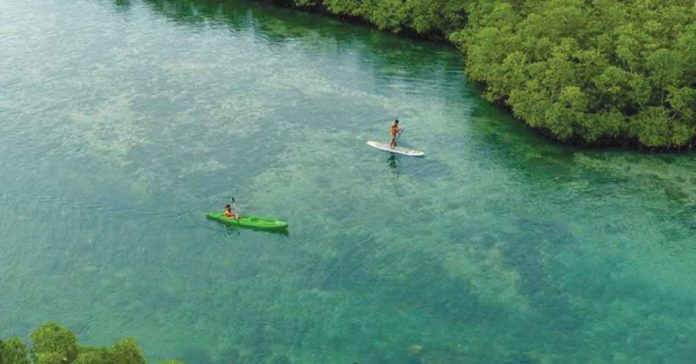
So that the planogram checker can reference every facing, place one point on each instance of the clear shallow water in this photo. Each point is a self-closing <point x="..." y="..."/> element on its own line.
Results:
<point x="122" y="122"/>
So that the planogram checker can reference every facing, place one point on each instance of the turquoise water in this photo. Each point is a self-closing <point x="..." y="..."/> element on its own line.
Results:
<point x="123" y="122"/>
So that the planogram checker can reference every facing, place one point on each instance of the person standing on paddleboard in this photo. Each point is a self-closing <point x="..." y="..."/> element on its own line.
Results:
<point x="394" y="133"/>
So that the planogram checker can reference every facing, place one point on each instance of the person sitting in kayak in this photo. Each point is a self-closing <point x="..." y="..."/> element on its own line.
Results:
<point x="231" y="214"/>
<point x="394" y="133"/>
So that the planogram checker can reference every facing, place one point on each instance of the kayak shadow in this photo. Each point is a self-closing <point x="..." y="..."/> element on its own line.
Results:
<point x="231" y="230"/>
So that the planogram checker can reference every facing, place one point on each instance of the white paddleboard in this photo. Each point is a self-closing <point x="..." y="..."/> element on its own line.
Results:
<point x="398" y="150"/>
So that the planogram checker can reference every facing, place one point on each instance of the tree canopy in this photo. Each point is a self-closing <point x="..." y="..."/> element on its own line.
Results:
<point x="55" y="344"/>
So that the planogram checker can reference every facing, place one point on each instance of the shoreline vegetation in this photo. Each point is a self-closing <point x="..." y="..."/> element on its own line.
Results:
<point x="55" y="344"/>
<point x="591" y="73"/>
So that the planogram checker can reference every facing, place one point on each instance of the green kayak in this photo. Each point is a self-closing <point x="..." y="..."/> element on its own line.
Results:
<point x="254" y="222"/>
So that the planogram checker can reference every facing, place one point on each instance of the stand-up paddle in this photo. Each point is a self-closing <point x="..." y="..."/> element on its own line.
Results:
<point x="396" y="142"/>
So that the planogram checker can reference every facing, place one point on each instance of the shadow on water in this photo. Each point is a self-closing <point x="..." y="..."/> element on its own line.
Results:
<point x="122" y="5"/>
<point x="278" y="26"/>
<point x="513" y="144"/>
<point x="237" y="231"/>
<point x="573" y="176"/>
<point x="233" y="14"/>
<point x="393" y="163"/>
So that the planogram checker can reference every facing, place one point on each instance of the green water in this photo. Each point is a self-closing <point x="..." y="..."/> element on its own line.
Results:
<point x="123" y="122"/>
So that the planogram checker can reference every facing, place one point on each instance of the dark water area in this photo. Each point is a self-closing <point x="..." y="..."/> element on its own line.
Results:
<point x="123" y="122"/>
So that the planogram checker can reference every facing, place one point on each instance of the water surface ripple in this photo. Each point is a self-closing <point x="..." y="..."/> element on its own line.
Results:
<point x="123" y="121"/>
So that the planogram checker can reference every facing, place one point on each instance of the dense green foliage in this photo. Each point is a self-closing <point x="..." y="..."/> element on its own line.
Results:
<point x="587" y="71"/>
<point x="54" y="344"/>
<point x="13" y="351"/>
<point x="590" y="69"/>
